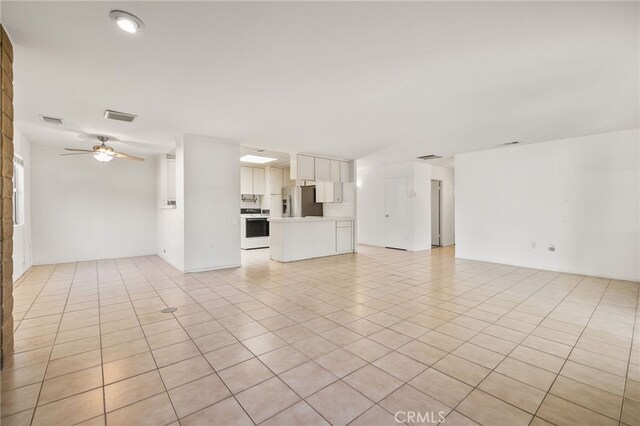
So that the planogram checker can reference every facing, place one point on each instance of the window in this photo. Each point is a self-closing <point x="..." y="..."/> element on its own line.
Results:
<point x="18" y="191"/>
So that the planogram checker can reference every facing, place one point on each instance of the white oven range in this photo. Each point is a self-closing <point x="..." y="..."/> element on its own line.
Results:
<point x="254" y="229"/>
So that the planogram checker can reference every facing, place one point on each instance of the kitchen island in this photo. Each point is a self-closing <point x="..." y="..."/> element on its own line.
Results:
<point x="299" y="238"/>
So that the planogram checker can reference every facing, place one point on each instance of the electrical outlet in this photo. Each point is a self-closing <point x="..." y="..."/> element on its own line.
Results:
<point x="533" y="244"/>
<point x="552" y="247"/>
<point x="213" y="246"/>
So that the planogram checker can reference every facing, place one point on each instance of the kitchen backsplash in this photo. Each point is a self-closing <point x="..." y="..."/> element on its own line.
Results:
<point x="339" y="209"/>
<point x="347" y="207"/>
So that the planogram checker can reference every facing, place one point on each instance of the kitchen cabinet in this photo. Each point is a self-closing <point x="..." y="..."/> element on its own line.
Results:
<point x="252" y="181"/>
<point x="345" y="172"/>
<point x="299" y="238"/>
<point x="246" y="180"/>
<point x="258" y="181"/>
<point x="344" y="236"/>
<point x="320" y="196"/>
<point x="318" y="169"/>
<point x="338" y="189"/>
<point x="322" y="169"/>
<point x="306" y="167"/>
<point x="276" y="181"/>
<point x="328" y="192"/>
<point x="335" y="171"/>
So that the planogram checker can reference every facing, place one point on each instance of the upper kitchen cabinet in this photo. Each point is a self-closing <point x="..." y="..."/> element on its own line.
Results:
<point x="329" y="192"/>
<point x="319" y="169"/>
<point x="335" y="171"/>
<point x="258" y="181"/>
<point x="323" y="170"/>
<point x="276" y="181"/>
<point x="306" y="168"/>
<point x="246" y="180"/>
<point x="251" y="180"/>
<point x="345" y="172"/>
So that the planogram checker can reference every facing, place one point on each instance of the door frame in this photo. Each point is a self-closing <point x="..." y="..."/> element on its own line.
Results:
<point x="439" y="212"/>
<point x="386" y="212"/>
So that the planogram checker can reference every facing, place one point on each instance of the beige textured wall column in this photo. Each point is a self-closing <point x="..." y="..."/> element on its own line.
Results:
<point x="6" y="198"/>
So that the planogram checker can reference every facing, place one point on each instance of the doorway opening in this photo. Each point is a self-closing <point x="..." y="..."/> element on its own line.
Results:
<point x="436" y="213"/>
<point x="395" y="229"/>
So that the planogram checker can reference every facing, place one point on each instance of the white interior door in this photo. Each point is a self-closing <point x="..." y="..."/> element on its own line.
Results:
<point x="435" y="213"/>
<point x="395" y="213"/>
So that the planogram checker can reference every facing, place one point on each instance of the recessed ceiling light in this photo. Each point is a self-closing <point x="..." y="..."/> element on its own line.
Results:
<point x="256" y="159"/>
<point x="126" y="21"/>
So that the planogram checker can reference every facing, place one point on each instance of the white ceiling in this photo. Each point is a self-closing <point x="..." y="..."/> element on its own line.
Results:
<point x="388" y="81"/>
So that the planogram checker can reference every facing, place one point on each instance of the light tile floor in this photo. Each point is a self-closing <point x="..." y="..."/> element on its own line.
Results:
<point x="352" y="339"/>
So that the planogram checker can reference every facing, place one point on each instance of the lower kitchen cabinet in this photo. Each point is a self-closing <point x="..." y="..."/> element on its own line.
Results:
<point x="344" y="236"/>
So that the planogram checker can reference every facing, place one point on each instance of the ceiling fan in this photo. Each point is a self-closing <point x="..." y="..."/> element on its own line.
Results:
<point x="102" y="152"/>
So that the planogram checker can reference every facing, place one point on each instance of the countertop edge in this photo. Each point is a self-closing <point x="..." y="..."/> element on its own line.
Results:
<point x="309" y="219"/>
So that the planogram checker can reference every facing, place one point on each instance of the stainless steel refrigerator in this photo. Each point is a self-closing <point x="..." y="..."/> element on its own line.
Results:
<point x="300" y="201"/>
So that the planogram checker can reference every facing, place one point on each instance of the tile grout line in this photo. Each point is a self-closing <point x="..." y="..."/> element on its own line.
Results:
<point x="337" y="296"/>
<point x="568" y="356"/>
<point x="393" y="350"/>
<point x="104" y="386"/>
<point x="633" y="335"/>
<point x="148" y="345"/>
<point x="35" y="407"/>
<point x="507" y="355"/>
<point x="33" y="302"/>
<point x="262" y="363"/>
<point x="201" y="354"/>
<point x="462" y="313"/>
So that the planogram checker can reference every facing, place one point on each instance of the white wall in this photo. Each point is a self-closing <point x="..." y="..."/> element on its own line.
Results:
<point x="371" y="203"/>
<point x="22" y="251"/>
<point x="83" y="209"/>
<point x="211" y="204"/>
<point x="580" y="194"/>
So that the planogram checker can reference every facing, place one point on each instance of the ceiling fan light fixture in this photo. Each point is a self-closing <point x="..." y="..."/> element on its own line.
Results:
<point x="126" y="21"/>
<point x="103" y="157"/>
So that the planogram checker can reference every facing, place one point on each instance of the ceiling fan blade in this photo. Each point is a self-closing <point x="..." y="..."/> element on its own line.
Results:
<point x="79" y="150"/>
<point x="127" y="157"/>
<point x="79" y="153"/>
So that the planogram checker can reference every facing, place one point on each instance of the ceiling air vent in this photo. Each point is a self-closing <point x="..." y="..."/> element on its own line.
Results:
<point x="429" y="157"/>
<point x="120" y="116"/>
<point x="52" y="120"/>
<point x="509" y="143"/>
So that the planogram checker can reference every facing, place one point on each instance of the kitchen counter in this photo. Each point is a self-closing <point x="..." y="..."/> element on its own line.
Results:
<point x="308" y="219"/>
<point x="299" y="238"/>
